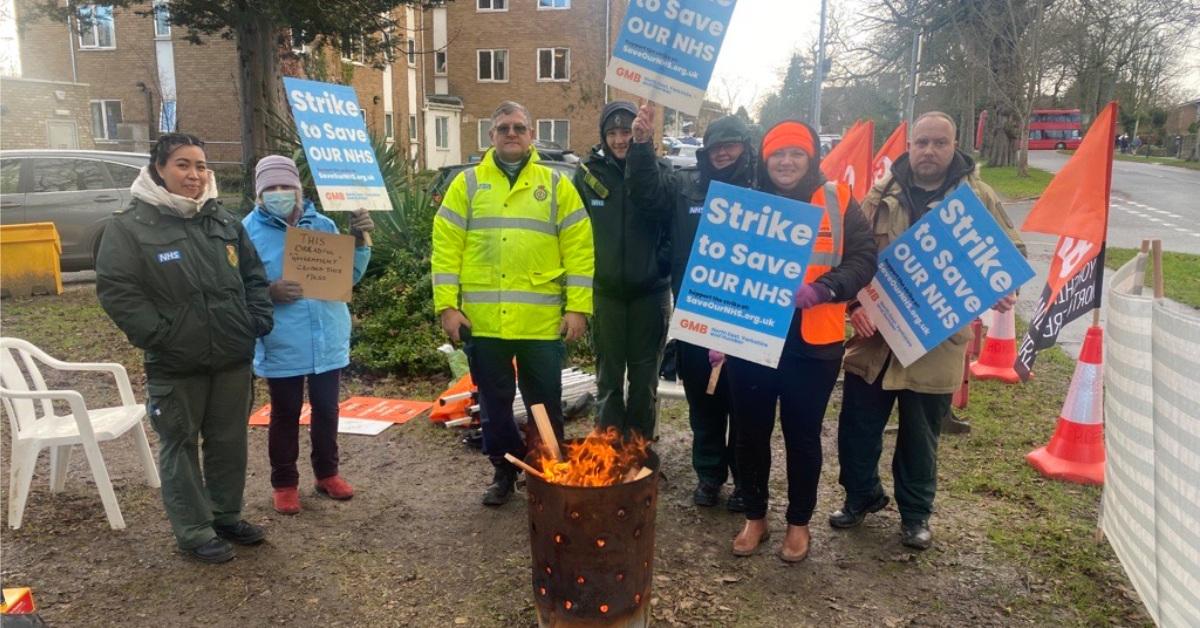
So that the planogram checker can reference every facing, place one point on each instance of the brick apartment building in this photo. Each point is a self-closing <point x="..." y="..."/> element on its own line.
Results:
<point x="142" y="77"/>
<point x="455" y="63"/>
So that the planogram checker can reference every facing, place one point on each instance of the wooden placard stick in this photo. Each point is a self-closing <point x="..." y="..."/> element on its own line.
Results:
<point x="1139" y="268"/>
<point x="1159" y="290"/>
<point x="521" y="463"/>
<point x="546" y="430"/>
<point x="713" y="377"/>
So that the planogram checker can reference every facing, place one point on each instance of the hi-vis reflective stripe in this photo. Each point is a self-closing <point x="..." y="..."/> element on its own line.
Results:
<point x="579" y="216"/>
<point x="452" y="216"/>
<point x="579" y="281"/>
<point x="511" y="296"/>
<point x="472" y="187"/>
<point x="530" y="224"/>
<point x="835" y="228"/>
<point x="445" y="279"/>
<point x="554" y="197"/>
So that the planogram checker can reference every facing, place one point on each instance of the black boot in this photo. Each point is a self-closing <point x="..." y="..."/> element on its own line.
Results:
<point x="706" y="494"/>
<point x="736" y="501"/>
<point x="848" y="517"/>
<point x="951" y="424"/>
<point x="916" y="534"/>
<point x="501" y="489"/>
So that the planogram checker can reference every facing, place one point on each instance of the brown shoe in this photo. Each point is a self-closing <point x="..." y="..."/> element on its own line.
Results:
<point x="287" y="500"/>
<point x="792" y="551"/>
<point x="751" y="538"/>
<point x="335" y="487"/>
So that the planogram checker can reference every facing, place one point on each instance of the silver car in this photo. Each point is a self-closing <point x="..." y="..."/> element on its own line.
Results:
<point x="77" y="190"/>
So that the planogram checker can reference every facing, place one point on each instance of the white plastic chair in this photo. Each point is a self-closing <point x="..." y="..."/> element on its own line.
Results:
<point x="33" y="431"/>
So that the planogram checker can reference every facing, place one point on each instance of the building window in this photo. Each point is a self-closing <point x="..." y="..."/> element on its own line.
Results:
<point x="106" y="115"/>
<point x="352" y="49"/>
<point x="162" y="19"/>
<point x="389" y="131"/>
<point x="557" y="131"/>
<point x="485" y="137"/>
<point x="439" y="63"/>
<point x="441" y="132"/>
<point x="554" y="64"/>
<point x="493" y="66"/>
<point x="553" y="4"/>
<point x="412" y="127"/>
<point x="491" y="5"/>
<point x="412" y="52"/>
<point x="96" y="28"/>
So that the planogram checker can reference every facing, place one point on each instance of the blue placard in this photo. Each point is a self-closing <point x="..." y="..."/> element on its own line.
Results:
<point x="666" y="50"/>
<point x="749" y="255"/>
<point x="337" y="146"/>
<point x="947" y="269"/>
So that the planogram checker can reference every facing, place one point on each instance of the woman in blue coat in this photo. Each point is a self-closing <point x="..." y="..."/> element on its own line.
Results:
<point x="310" y="340"/>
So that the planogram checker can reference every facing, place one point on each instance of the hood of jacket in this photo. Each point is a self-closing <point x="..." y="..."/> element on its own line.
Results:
<point x="811" y="180"/>
<point x="616" y="106"/>
<point x="961" y="165"/>
<point x="144" y="188"/>
<point x="721" y="131"/>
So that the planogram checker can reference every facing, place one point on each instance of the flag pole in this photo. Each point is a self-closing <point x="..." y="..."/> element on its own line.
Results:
<point x="1112" y="138"/>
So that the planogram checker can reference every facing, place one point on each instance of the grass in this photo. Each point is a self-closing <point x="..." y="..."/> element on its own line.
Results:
<point x="1044" y="527"/>
<point x="1181" y="273"/>
<point x="1163" y="161"/>
<point x="1004" y="180"/>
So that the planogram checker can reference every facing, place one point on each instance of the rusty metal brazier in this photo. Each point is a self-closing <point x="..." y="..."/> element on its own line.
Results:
<point x="593" y="550"/>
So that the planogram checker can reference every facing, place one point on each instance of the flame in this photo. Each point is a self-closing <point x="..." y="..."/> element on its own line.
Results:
<point x="602" y="458"/>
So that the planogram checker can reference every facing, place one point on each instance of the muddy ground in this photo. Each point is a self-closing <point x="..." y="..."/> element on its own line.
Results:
<point x="415" y="548"/>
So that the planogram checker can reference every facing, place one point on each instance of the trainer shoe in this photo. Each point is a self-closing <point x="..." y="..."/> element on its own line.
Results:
<point x="242" y="533"/>
<point x="213" y="551"/>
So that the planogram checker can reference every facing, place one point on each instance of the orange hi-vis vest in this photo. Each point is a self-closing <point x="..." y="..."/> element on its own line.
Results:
<point x="826" y="323"/>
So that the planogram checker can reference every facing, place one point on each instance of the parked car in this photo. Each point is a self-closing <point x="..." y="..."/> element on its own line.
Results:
<point x="682" y="156"/>
<point x="446" y="174"/>
<point x="77" y="190"/>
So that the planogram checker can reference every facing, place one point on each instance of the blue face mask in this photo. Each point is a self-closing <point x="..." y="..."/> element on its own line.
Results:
<point x="280" y="203"/>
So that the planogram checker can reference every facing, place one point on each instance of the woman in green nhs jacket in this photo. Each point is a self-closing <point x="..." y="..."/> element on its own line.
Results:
<point x="311" y="339"/>
<point x="178" y="275"/>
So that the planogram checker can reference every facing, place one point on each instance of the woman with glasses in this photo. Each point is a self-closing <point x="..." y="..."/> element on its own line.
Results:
<point x="178" y="275"/>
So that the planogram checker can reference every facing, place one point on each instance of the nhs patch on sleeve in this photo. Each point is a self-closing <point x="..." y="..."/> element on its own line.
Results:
<point x="699" y="209"/>
<point x="597" y="202"/>
<point x="169" y="256"/>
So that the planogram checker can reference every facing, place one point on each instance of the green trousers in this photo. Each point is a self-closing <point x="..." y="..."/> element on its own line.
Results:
<point x="628" y="336"/>
<point x="865" y="411"/>
<point x="193" y="415"/>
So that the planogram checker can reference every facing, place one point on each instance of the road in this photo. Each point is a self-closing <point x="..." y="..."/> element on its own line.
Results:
<point x="1148" y="201"/>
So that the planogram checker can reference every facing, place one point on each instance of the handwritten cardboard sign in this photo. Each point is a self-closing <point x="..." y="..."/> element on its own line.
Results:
<point x="323" y="263"/>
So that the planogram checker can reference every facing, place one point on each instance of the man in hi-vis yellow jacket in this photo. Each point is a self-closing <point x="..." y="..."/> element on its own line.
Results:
<point x="512" y="275"/>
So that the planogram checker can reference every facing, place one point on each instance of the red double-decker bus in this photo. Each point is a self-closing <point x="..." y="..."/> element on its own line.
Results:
<point x="1051" y="129"/>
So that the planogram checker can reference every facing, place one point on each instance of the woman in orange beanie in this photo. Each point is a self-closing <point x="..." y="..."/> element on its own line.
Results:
<point x="843" y="262"/>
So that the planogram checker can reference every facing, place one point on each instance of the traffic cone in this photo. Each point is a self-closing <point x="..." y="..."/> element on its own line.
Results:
<point x="1076" y="451"/>
<point x="999" y="350"/>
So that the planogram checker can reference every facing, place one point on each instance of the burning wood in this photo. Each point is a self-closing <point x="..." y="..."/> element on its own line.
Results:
<point x="602" y="458"/>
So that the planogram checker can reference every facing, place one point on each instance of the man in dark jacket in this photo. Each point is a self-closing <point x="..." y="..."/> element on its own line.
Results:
<point x="177" y="273"/>
<point x="875" y="380"/>
<point x="632" y="293"/>
<point x="727" y="156"/>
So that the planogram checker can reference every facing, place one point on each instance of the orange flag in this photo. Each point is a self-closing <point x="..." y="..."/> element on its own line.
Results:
<point x="1075" y="207"/>
<point x="891" y="150"/>
<point x="850" y="161"/>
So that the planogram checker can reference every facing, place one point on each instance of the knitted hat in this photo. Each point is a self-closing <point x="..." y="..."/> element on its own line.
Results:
<point x="788" y="134"/>
<point x="274" y="170"/>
